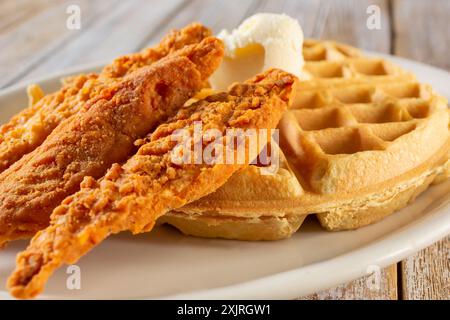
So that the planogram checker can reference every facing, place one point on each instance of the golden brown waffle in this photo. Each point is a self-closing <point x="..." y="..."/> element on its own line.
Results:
<point x="250" y="206"/>
<point x="330" y="64"/>
<point x="363" y="139"/>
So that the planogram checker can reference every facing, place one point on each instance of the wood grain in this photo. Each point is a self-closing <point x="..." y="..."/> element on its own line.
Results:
<point x="421" y="31"/>
<point x="118" y="32"/>
<point x="217" y="15"/>
<point x="363" y="288"/>
<point x="33" y="41"/>
<point x="304" y="11"/>
<point x="15" y="12"/>
<point x="425" y="275"/>
<point x="346" y="21"/>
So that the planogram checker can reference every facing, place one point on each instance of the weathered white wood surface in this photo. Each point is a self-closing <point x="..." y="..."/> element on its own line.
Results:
<point x="369" y="287"/>
<point x="35" y="41"/>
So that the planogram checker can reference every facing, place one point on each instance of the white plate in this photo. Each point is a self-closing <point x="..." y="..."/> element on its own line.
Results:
<point x="166" y="264"/>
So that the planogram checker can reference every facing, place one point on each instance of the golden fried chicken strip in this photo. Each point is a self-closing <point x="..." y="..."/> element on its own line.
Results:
<point x="28" y="129"/>
<point x="132" y="196"/>
<point x="89" y="143"/>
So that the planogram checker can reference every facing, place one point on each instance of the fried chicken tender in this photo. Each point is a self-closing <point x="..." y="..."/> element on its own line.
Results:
<point x="28" y="129"/>
<point x="89" y="143"/>
<point x="133" y="195"/>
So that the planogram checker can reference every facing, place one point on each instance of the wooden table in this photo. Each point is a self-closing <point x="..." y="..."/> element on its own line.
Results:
<point x="35" y="41"/>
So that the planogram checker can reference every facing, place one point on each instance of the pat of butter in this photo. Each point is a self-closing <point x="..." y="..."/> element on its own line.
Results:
<point x="261" y="42"/>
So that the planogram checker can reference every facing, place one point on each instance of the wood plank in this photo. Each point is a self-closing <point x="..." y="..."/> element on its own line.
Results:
<point x="304" y="11"/>
<point x="346" y="21"/>
<point x="363" y="288"/>
<point x="15" y="12"/>
<point x="425" y="275"/>
<point x="117" y="33"/>
<point x="427" y="39"/>
<point x="133" y="25"/>
<point x="217" y="15"/>
<point x="25" y="47"/>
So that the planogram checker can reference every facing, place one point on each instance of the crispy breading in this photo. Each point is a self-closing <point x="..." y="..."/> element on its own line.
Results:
<point x="28" y="129"/>
<point x="133" y="195"/>
<point x="89" y="143"/>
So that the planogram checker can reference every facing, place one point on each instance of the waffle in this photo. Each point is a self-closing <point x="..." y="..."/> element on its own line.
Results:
<point x="362" y="139"/>
<point x="250" y="206"/>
